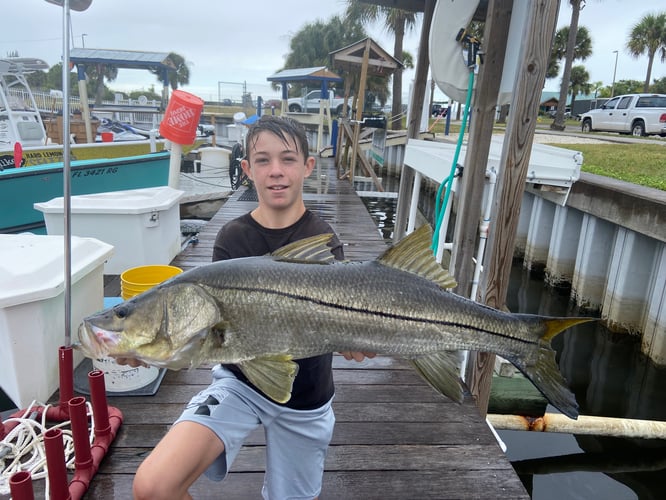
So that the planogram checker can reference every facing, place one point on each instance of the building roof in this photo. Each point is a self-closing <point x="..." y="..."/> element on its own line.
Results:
<point x="350" y="58"/>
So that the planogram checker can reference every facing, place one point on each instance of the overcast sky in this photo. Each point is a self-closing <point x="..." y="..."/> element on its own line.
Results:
<point x="247" y="41"/>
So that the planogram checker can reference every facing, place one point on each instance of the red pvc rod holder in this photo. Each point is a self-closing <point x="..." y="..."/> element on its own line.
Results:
<point x="20" y="486"/>
<point x="108" y="420"/>
<point x="55" y="463"/>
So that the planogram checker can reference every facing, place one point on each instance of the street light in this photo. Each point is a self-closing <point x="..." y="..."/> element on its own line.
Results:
<point x="83" y="40"/>
<point x="614" y="72"/>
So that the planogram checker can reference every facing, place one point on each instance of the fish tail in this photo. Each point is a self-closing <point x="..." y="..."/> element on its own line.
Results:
<point x="544" y="373"/>
<point x="555" y="326"/>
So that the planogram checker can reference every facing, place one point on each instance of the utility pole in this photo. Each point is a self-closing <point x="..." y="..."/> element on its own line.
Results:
<point x="614" y="73"/>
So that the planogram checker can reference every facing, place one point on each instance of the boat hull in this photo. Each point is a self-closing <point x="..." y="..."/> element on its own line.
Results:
<point x="43" y="155"/>
<point x="21" y="188"/>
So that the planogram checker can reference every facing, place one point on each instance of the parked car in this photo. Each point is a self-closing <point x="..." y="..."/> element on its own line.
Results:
<point x="439" y="110"/>
<point x="567" y="112"/>
<point x="310" y="103"/>
<point x="635" y="114"/>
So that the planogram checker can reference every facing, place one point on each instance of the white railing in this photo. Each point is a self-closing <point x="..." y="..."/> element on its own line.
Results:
<point x="139" y="111"/>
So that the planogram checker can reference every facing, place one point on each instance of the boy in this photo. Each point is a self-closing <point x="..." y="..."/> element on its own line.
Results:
<point x="211" y="430"/>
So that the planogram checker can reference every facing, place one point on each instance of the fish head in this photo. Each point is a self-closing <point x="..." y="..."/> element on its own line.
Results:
<point x="164" y="326"/>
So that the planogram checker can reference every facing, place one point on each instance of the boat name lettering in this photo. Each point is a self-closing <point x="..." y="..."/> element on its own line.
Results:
<point x="181" y="117"/>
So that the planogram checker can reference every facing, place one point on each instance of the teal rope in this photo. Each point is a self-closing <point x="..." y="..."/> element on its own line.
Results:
<point x="448" y="181"/>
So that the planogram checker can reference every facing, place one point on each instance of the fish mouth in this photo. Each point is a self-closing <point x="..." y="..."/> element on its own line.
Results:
<point x="96" y="341"/>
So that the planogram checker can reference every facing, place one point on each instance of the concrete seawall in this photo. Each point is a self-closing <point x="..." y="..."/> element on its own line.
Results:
<point x="608" y="243"/>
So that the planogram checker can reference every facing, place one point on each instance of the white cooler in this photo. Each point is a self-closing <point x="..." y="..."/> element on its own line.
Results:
<point x="32" y="308"/>
<point x="142" y="224"/>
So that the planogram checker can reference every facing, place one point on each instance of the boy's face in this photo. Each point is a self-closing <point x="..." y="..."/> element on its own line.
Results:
<point x="277" y="170"/>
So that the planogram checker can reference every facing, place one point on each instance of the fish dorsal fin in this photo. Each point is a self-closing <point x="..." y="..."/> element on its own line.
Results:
<point x="414" y="255"/>
<point x="312" y="249"/>
<point x="272" y="375"/>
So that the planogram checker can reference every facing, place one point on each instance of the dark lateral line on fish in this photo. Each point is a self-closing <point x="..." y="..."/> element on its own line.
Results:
<point x="377" y="313"/>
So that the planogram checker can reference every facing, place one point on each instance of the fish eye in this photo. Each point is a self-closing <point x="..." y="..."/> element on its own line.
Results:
<point x="121" y="311"/>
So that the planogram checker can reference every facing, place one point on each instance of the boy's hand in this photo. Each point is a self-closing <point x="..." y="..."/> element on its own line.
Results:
<point x="134" y="363"/>
<point x="357" y="355"/>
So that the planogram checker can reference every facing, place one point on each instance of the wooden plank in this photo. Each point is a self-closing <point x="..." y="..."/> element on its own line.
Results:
<point x="441" y="484"/>
<point x="395" y="436"/>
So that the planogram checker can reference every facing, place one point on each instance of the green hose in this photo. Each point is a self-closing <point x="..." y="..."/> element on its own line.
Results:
<point x="448" y="181"/>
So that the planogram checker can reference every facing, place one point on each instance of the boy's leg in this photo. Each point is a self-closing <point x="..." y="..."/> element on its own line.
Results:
<point x="206" y="438"/>
<point x="296" y="445"/>
<point x="177" y="461"/>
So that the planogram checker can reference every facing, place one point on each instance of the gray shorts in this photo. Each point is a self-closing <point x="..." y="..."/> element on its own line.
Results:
<point x="296" y="440"/>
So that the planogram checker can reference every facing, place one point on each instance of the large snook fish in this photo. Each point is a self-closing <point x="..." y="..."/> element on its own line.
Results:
<point x="261" y="313"/>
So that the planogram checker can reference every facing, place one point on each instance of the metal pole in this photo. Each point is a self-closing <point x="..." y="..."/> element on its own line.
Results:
<point x="83" y="40"/>
<point x="614" y="73"/>
<point x="66" y="172"/>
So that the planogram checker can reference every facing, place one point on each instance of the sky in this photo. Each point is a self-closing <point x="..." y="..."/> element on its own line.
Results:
<point x="232" y="44"/>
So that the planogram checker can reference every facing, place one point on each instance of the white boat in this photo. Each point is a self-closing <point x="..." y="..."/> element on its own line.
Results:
<point x="21" y="124"/>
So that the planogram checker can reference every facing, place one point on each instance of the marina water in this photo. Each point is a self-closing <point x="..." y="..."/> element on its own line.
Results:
<point x="609" y="376"/>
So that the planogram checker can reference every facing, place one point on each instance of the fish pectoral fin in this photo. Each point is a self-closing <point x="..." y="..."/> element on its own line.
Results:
<point x="442" y="371"/>
<point x="272" y="375"/>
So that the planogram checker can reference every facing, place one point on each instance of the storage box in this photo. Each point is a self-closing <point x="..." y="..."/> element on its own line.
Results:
<point x="77" y="127"/>
<point x="32" y="308"/>
<point x="142" y="224"/>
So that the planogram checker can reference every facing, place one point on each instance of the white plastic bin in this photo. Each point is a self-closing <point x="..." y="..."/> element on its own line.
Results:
<point x="32" y="308"/>
<point x="215" y="164"/>
<point x="142" y="224"/>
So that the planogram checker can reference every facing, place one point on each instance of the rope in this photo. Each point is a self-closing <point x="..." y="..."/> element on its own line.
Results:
<point x="22" y="449"/>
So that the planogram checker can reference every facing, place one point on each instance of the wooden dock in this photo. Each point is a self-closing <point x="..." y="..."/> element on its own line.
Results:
<point x="395" y="437"/>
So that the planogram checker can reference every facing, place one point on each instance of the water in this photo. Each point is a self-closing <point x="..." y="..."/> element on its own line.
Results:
<point x="609" y="376"/>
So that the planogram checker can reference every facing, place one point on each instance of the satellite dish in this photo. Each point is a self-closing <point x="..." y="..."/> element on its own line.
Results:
<point x="448" y="60"/>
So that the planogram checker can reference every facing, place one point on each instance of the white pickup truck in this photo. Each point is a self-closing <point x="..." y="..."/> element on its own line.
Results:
<point x="310" y="103"/>
<point x="635" y="114"/>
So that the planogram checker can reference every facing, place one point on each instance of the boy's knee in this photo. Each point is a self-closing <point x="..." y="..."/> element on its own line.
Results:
<point x="146" y="485"/>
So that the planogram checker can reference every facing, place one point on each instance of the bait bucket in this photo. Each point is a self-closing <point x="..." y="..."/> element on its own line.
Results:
<point x="181" y="117"/>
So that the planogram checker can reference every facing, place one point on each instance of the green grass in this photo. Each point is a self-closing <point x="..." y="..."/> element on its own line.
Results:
<point x="642" y="164"/>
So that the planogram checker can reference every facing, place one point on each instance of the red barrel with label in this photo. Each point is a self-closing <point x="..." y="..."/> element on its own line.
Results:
<point x="181" y="117"/>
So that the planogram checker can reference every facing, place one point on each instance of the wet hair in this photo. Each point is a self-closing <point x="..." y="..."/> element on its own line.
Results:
<point x="287" y="129"/>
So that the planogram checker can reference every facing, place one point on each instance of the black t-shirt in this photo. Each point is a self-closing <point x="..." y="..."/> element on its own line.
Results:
<point x="245" y="237"/>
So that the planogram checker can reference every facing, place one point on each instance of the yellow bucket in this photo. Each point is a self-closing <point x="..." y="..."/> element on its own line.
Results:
<point x="139" y="279"/>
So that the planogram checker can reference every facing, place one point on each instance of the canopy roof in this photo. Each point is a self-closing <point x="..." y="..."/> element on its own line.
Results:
<point x="21" y="65"/>
<point x="316" y="74"/>
<point x="133" y="59"/>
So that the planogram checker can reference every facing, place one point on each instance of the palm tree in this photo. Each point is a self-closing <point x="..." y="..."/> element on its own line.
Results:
<point x="180" y="75"/>
<point x="582" y="48"/>
<point x="647" y="37"/>
<point x="396" y="21"/>
<point x="97" y="74"/>
<point x="576" y="6"/>
<point x="578" y="84"/>
<point x="313" y="43"/>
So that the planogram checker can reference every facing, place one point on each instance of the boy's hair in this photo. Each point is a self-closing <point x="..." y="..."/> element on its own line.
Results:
<point x="287" y="129"/>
